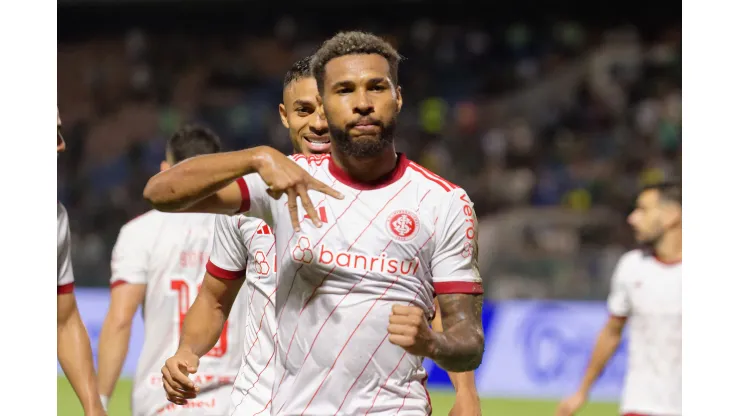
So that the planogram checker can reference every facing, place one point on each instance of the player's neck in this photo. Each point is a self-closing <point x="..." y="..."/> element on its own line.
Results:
<point x="670" y="248"/>
<point x="368" y="169"/>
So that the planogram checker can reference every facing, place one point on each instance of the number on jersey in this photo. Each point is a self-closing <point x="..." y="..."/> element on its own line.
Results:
<point x="182" y="288"/>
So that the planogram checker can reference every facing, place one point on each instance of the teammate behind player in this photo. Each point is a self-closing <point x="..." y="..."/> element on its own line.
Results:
<point x="353" y="266"/>
<point x="73" y="344"/>
<point x="159" y="261"/>
<point x="646" y="289"/>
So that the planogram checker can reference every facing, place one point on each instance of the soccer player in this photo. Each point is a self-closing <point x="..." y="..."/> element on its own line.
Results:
<point x="235" y="239"/>
<point x="159" y="261"/>
<point x="355" y="291"/>
<point x="646" y="289"/>
<point x="73" y="344"/>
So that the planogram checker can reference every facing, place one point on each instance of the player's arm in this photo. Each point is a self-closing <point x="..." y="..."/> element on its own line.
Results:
<point x="73" y="344"/>
<point x="467" y="399"/>
<point x="115" y="335"/>
<point x="206" y="318"/>
<point x="606" y="345"/>
<point x="129" y="265"/>
<point x="607" y="342"/>
<point x="74" y="353"/>
<point x="191" y="181"/>
<point x="459" y="347"/>
<point x="225" y="273"/>
<point x="457" y="283"/>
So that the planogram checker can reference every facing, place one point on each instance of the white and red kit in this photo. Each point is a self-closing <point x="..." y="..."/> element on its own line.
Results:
<point x="246" y="246"/>
<point x="65" y="274"/>
<point x="647" y="292"/>
<point x="400" y="240"/>
<point x="168" y="253"/>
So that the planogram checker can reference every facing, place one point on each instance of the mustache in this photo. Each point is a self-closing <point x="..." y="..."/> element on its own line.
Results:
<point x="364" y="121"/>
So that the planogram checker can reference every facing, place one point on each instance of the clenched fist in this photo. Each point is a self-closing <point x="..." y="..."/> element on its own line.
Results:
<point x="175" y="380"/>
<point x="410" y="330"/>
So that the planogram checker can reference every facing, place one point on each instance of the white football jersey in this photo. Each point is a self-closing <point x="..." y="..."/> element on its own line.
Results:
<point x="168" y="253"/>
<point x="400" y="241"/>
<point x="65" y="274"/>
<point x="246" y="246"/>
<point x="648" y="293"/>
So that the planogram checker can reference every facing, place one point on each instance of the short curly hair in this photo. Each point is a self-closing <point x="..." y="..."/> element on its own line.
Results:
<point x="300" y="69"/>
<point x="353" y="43"/>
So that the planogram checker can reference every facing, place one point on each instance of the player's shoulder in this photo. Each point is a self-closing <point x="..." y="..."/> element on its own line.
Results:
<point x="144" y="223"/>
<point x="435" y="190"/>
<point x="634" y="258"/>
<point x="429" y="180"/>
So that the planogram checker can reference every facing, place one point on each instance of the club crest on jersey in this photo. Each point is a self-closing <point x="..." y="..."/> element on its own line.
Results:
<point x="403" y="225"/>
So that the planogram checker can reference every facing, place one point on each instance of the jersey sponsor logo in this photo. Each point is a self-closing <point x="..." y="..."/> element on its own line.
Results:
<point x="403" y="225"/>
<point x="303" y="252"/>
<point x="261" y="263"/>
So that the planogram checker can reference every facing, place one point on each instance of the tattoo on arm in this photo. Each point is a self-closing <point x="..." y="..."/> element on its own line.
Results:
<point x="460" y="347"/>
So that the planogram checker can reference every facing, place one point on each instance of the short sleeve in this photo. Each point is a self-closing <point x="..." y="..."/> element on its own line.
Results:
<point x="255" y="199"/>
<point x="65" y="274"/>
<point x="618" y="301"/>
<point x="130" y="259"/>
<point x="454" y="262"/>
<point x="229" y="253"/>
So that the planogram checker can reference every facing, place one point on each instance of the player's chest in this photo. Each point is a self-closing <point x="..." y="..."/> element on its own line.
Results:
<point x="377" y="232"/>
<point x="657" y="292"/>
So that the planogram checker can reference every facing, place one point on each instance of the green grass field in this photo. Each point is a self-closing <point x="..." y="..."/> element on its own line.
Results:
<point x="67" y="404"/>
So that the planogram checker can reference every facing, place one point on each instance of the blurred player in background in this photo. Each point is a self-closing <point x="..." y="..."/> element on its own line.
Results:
<point x="73" y="344"/>
<point x="367" y="272"/>
<point x="158" y="262"/>
<point x="238" y="238"/>
<point x="646" y="289"/>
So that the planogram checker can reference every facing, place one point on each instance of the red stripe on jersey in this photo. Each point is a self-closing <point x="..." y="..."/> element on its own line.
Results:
<point x="290" y="343"/>
<point x="117" y="283"/>
<point x="621" y="318"/>
<point x="342" y="176"/>
<point x="220" y="273"/>
<point x="297" y="156"/>
<point x="446" y="288"/>
<point x="244" y="189"/>
<point x="434" y="175"/>
<point x="445" y="184"/>
<point x="68" y="288"/>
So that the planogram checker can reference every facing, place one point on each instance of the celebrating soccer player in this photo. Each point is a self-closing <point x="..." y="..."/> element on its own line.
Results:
<point x="355" y="290"/>
<point x="646" y="289"/>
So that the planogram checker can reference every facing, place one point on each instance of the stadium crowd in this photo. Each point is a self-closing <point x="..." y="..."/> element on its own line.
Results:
<point x="550" y="128"/>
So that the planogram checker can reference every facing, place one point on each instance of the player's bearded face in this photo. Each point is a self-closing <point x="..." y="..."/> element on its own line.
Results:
<point x="361" y="104"/>
<point x="368" y="144"/>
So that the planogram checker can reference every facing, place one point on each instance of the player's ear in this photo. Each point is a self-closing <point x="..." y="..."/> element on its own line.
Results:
<point x="283" y="115"/>
<point x="399" y="98"/>
<point x="164" y="166"/>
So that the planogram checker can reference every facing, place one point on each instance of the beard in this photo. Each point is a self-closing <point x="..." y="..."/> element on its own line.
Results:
<point x="364" y="146"/>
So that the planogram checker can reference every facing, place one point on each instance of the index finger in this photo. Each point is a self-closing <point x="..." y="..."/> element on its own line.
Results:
<point x="402" y="310"/>
<point x="317" y="185"/>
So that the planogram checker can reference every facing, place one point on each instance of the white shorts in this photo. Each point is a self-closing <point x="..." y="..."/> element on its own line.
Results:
<point x="211" y="403"/>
